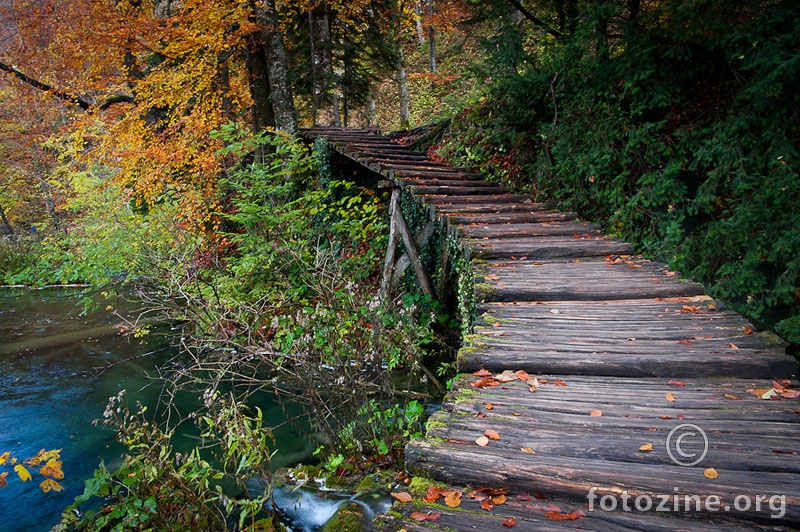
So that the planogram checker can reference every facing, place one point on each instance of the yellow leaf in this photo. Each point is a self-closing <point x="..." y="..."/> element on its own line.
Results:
<point x="671" y="398"/>
<point x="452" y="498"/>
<point x="646" y="447"/>
<point x="528" y="450"/>
<point x="52" y="469"/>
<point x="4" y="457"/>
<point x="49" y="484"/>
<point x="710" y="473"/>
<point x="734" y="346"/>
<point x="24" y="476"/>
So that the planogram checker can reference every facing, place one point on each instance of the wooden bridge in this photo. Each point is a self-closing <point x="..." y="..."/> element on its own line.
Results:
<point x="600" y="390"/>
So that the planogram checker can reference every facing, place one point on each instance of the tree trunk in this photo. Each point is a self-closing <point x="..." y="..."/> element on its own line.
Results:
<point x="402" y="82"/>
<point x="431" y="40"/>
<point x="277" y="70"/>
<point x="262" y="115"/>
<point x="321" y="59"/>
<point x="6" y="228"/>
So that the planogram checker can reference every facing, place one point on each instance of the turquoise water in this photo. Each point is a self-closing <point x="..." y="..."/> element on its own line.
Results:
<point x="57" y="370"/>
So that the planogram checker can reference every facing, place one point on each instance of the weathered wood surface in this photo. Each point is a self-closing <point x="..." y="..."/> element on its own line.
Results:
<point x="570" y="280"/>
<point x="611" y="333"/>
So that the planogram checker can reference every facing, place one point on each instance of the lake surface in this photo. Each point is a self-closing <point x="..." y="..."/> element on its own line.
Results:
<point x="58" y="367"/>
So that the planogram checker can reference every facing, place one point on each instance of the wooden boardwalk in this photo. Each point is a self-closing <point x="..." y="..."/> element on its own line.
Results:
<point x="623" y="351"/>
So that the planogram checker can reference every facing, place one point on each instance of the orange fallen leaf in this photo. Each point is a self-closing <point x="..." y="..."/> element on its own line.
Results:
<point x="402" y="496"/>
<point x="732" y="397"/>
<point x="483" y="373"/>
<point x="734" y="346"/>
<point x="559" y="382"/>
<point x="489" y="406"/>
<point x="487" y="505"/>
<point x="673" y="382"/>
<point x="791" y="394"/>
<point x="510" y="522"/>
<point x="433" y="494"/>
<point x="516" y="414"/>
<point x="452" y="498"/>
<point x="671" y="398"/>
<point x="596" y="413"/>
<point x="710" y="473"/>
<point x="418" y="516"/>
<point x="492" y="277"/>
<point x="646" y="447"/>
<point x="491" y="434"/>
<point x="482" y="441"/>
<point x="748" y="330"/>
<point x="528" y="450"/>
<point x="523" y="375"/>
<point x="497" y="500"/>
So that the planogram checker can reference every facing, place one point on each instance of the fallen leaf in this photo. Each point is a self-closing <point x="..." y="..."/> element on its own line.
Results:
<point x="769" y="394"/>
<point x="748" y="330"/>
<point x="434" y="516"/>
<point x="3" y="481"/>
<point x="489" y="406"/>
<point x="664" y="417"/>
<point x="433" y="494"/>
<point x="516" y="414"/>
<point x="491" y="434"/>
<point x="484" y="382"/>
<point x="596" y="413"/>
<point x="646" y="447"/>
<point x="732" y="397"/>
<point x="487" y="505"/>
<point x="791" y="394"/>
<point x="482" y="441"/>
<point x="510" y="522"/>
<point x="452" y="498"/>
<point x="671" y="398"/>
<point x="523" y="497"/>
<point x="673" y="382"/>
<point x="483" y="373"/>
<point x="418" y="516"/>
<point x="492" y="277"/>
<point x="734" y="346"/>
<point x="523" y="375"/>
<point x="710" y="473"/>
<point x="507" y="376"/>
<point x="540" y="496"/>
<point x="49" y="484"/>
<point x="559" y="382"/>
<point x="23" y="473"/>
<point x="528" y="450"/>
<point x="685" y="342"/>
<point x="498" y="500"/>
<point x="402" y="496"/>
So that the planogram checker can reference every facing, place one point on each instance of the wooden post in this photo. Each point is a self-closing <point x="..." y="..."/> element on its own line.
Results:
<point x="398" y="225"/>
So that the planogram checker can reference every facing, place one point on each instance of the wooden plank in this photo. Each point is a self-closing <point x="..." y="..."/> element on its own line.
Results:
<point x="528" y="280"/>
<point x="448" y="190"/>
<point x="530" y="514"/>
<point x="444" y="171"/>
<point x="482" y="201"/>
<point x="446" y="182"/>
<point x="753" y="445"/>
<point x="548" y="247"/>
<point x="532" y="216"/>
<point x="478" y="231"/>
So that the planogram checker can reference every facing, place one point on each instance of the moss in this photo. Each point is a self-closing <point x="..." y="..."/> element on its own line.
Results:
<point x="349" y="517"/>
<point x="265" y="525"/>
<point x="419" y="486"/>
